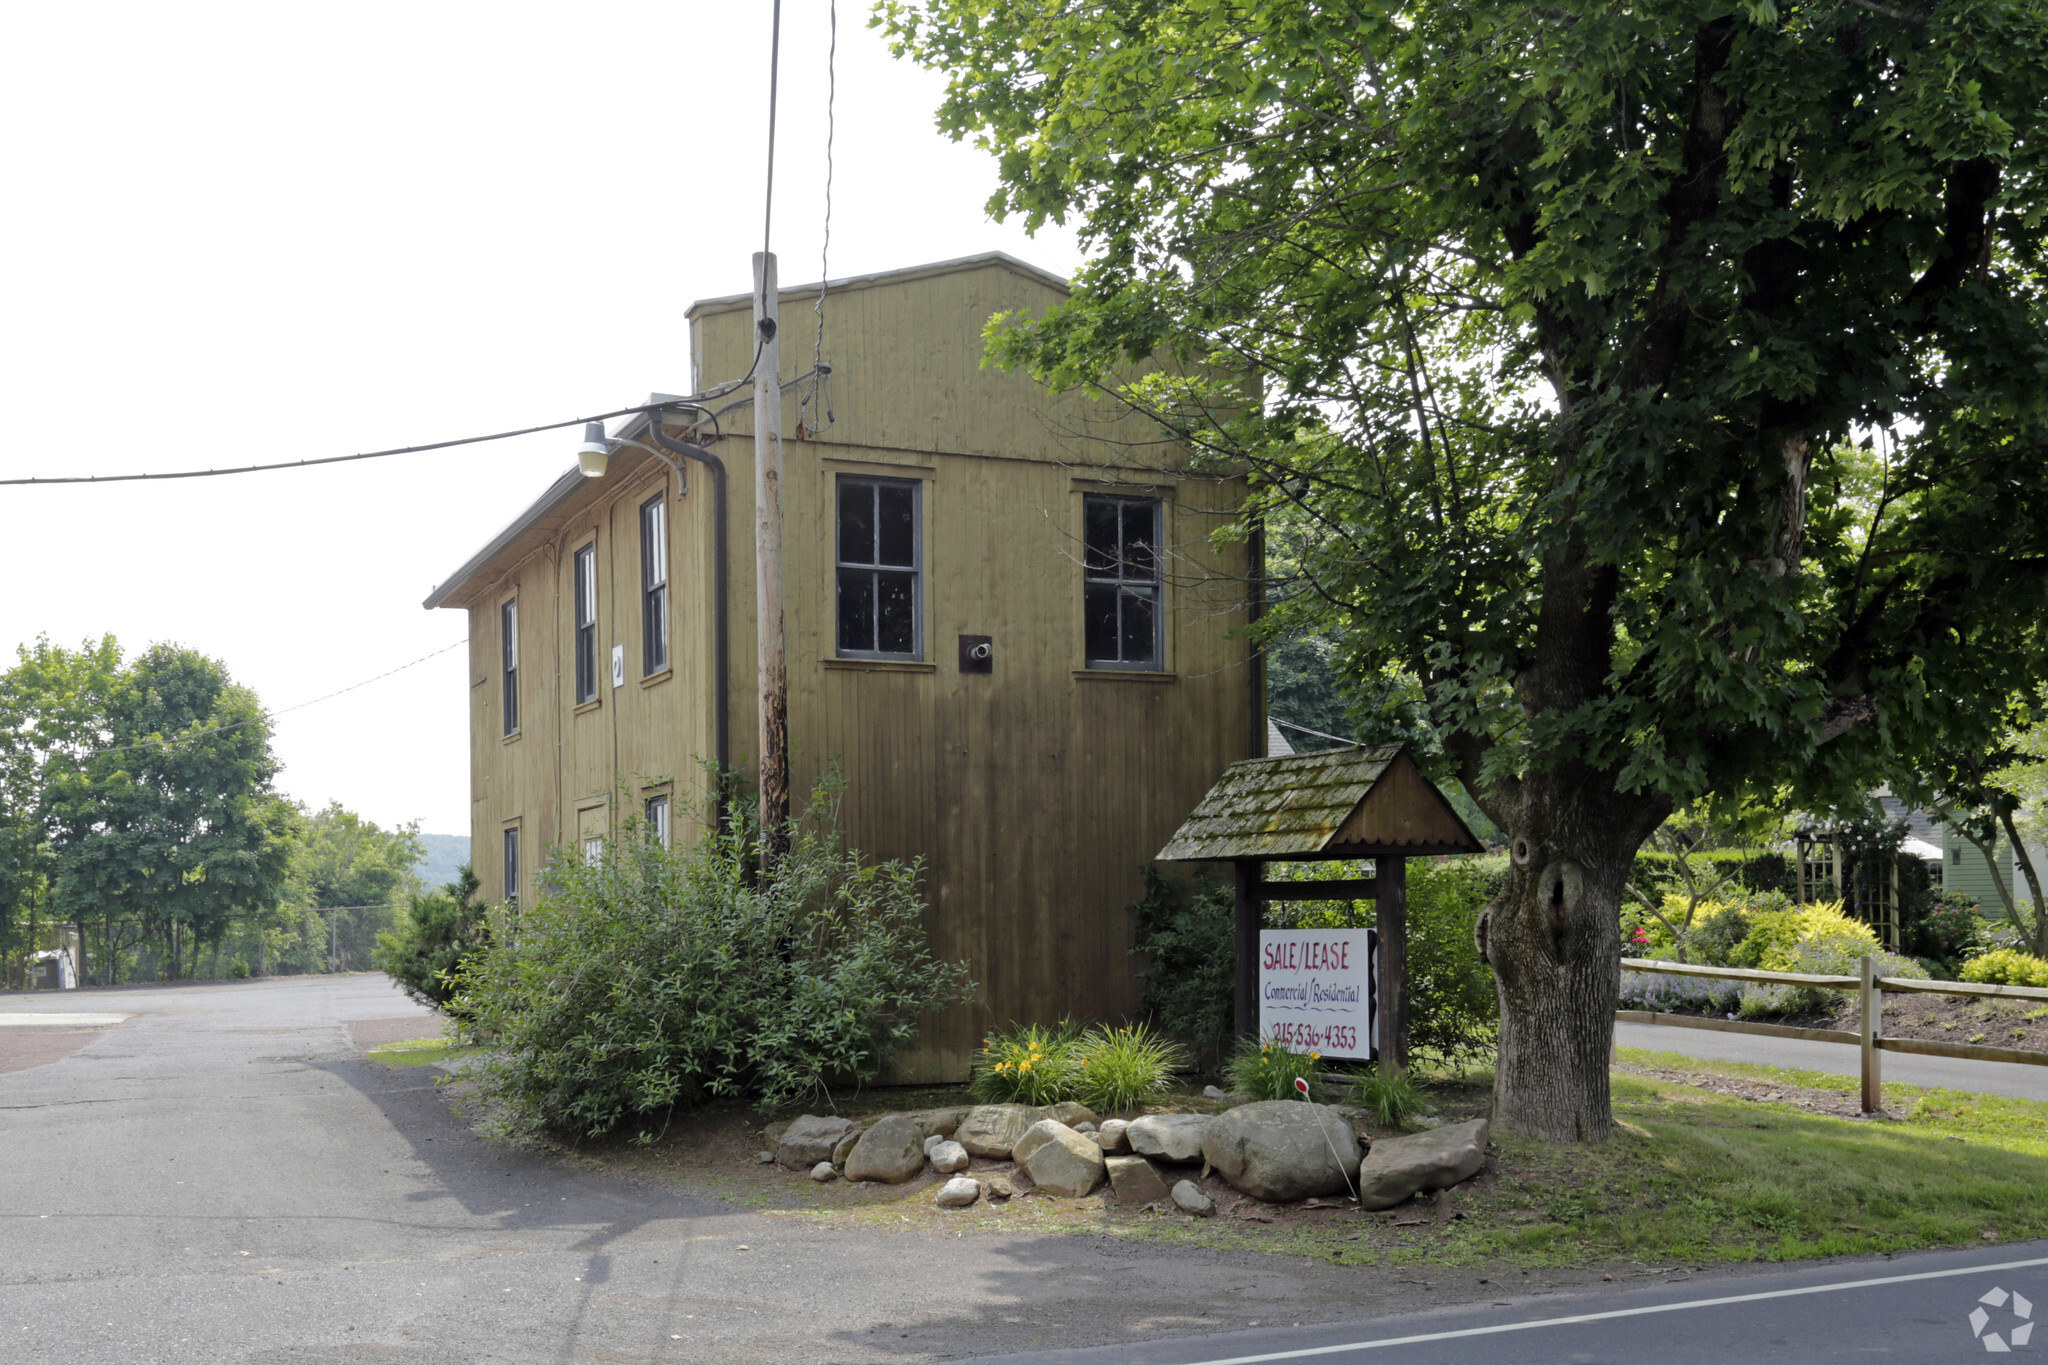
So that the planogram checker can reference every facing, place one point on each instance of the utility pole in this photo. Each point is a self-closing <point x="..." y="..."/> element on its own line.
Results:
<point x="773" y="667"/>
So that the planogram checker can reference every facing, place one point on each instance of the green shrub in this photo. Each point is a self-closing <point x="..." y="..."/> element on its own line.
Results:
<point x="439" y="931"/>
<point x="1186" y="932"/>
<point x="238" y="970"/>
<point x="2007" y="967"/>
<point x="1390" y="1097"/>
<point x="1826" y="956"/>
<point x="1121" y="1068"/>
<point x="1776" y="936"/>
<point x="1031" y="1064"/>
<point x="645" y="977"/>
<point x="1267" y="1070"/>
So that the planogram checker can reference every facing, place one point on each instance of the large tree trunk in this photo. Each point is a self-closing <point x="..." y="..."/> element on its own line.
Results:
<point x="1553" y="938"/>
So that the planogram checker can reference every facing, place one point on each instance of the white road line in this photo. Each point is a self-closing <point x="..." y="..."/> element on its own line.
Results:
<point x="80" y="1020"/>
<point x="1622" y="1313"/>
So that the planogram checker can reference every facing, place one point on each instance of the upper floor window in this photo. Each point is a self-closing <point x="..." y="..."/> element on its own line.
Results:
<point x="508" y="649"/>
<point x="880" y="568"/>
<point x="1120" y="599"/>
<point x="586" y="624"/>
<point x="653" y="585"/>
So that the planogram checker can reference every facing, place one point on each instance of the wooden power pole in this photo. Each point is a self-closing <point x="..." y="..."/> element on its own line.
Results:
<point x="773" y="666"/>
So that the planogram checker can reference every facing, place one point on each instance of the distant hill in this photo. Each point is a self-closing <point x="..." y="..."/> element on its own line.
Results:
<point x="445" y="853"/>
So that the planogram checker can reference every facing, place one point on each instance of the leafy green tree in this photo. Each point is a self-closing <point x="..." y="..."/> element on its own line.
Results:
<point x="171" y="824"/>
<point x="359" y="873"/>
<point x="1566" y="322"/>
<point x="53" y="703"/>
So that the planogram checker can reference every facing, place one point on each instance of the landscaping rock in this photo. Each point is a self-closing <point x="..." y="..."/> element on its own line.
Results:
<point x="1169" y="1137"/>
<point x="1188" y="1197"/>
<point x="948" y="1156"/>
<point x="1281" y="1150"/>
<point x="957" y="1193"/>
<point x="933" y="1141"/>
<point x="845" y="1147"/>
<point x="1114" y="1135"/>
<point x="992" y="1130"/>
<point x="1086" y="1128"/>
<point x="823" y="1172"/>
<point x="772" y="1134"/>
<point x="765" y="1158"/>
<point x="892" y="1151"/>
<point x="1210" y="1092"/>
<point x="999" y="1187"/>
<point x="808" y="1140"/>
<point x="1135" y="1181"/>
<point x="941" y="1122"/>
<point x="1069" y="1112"/>
<point x="1059" y="1160"/>
<point x="1434" y="1160"/>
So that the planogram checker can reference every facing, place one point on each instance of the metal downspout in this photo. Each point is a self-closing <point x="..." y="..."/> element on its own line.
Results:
<point x="721" y="645"/>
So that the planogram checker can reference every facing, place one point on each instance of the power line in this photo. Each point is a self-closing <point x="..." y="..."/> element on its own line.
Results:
<point x="273" y="715"/>
<point x="340" y="459"/>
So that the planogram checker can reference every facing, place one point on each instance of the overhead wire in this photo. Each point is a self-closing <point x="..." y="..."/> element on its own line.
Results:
<point x="819" y="370"/>
<point x="273" y="715"/>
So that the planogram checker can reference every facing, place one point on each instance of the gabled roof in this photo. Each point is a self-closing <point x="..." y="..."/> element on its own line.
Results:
<point x="898" y="276"/>
<point x="1336" y="804"/>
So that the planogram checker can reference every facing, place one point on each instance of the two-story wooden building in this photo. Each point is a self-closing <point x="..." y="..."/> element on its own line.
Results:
<point x="943" y="504"/>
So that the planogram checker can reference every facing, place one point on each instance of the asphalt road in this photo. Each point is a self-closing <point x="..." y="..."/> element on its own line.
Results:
<point x="1935" y="1306"/>
<point x="1991" y="1078"/>
<point x="220" y="1177"/>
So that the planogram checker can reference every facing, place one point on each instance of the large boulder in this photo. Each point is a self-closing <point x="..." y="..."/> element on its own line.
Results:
<point x="1135" y="1181"/>
<point x="1279" y="1150"/>
<point x="1059" y="1160"/>
<point x="1398" y="1167"/>
<point x="992" y="1130"/>
<point x="809" y="1140"/>
<point x="1169" y="1137"/>
<point x="1114" y="1136"/>
<point x="940" y="1122"/>
<point x="948" y="1156"/>
<point x="891" y="1151"/>
<point x="1070" y="1112"/>
<point x="845" y="1147"/>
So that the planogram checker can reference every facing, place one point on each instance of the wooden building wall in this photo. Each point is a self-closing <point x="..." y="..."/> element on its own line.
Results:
<point x="1035" y="794"/>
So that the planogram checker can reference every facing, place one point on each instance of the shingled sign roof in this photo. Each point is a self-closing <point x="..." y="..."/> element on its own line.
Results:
<point x="1337" y="804"/>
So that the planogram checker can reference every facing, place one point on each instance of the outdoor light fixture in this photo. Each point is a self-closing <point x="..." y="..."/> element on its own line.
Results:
<point x="595" y="452"/>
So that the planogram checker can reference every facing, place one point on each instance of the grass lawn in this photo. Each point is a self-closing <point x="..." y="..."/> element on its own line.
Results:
<point x="1701" y="1171"/>
<point x="418" y="1052"/>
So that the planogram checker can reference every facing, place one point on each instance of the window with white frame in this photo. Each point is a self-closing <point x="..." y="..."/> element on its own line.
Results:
<point x="657" y="820"/>
<point x="880" y="568"/>
<point x="586" y="624"/>
<point x="1120" y="597"/>
<point x="508" y="637"/>
<point x="653" y="586"/>
<point x="511" y="870"/>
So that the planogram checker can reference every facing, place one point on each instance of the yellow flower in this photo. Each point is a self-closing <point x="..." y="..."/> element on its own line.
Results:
<point x="1314" y="1056"/>
<point x="1024" y="1065"/>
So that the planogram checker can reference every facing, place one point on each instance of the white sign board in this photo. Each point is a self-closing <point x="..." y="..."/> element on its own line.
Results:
<point x="1316" y="990"/>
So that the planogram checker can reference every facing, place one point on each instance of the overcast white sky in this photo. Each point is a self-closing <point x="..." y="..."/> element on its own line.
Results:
<point x="246" y="232"/>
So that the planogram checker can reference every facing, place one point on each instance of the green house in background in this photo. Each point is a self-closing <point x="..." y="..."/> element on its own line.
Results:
<point x="1964" y="869"/>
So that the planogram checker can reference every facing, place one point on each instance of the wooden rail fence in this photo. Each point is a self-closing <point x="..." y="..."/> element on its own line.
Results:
<point x="1870" y="989"/>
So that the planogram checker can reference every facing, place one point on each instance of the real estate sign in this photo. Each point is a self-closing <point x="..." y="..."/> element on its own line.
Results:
<point x="1316" y="990"/>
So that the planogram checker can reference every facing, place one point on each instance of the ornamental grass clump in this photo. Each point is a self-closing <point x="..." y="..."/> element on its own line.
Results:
<point x="1121" y="1068"/>
<point x="645" y="978"/>
<point x="1267" y="1070"/>
<point x="1030" y="1064"/>
<point x="1390" y="1097"/>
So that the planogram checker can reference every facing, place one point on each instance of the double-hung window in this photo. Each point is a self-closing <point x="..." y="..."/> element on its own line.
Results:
<point x="586" y="624"/>
<point x="657" y="820"/>
<point x="1120" y="596"/>
<point x="512" y="864"/>
<point x="880" y="568"/>
<point x="508" y="648"/>
<point x="653" y="586"/>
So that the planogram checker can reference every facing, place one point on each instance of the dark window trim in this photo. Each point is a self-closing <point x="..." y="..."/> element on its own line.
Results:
<point x="915" y="570"/>
<point x="508" y="655"/>
<point x="654" y="576"/>
<point x="658" y="829"/>
<point x="586" y="623"/>
<point x="510" y="868"/>
<point x="1157" y="582"/>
